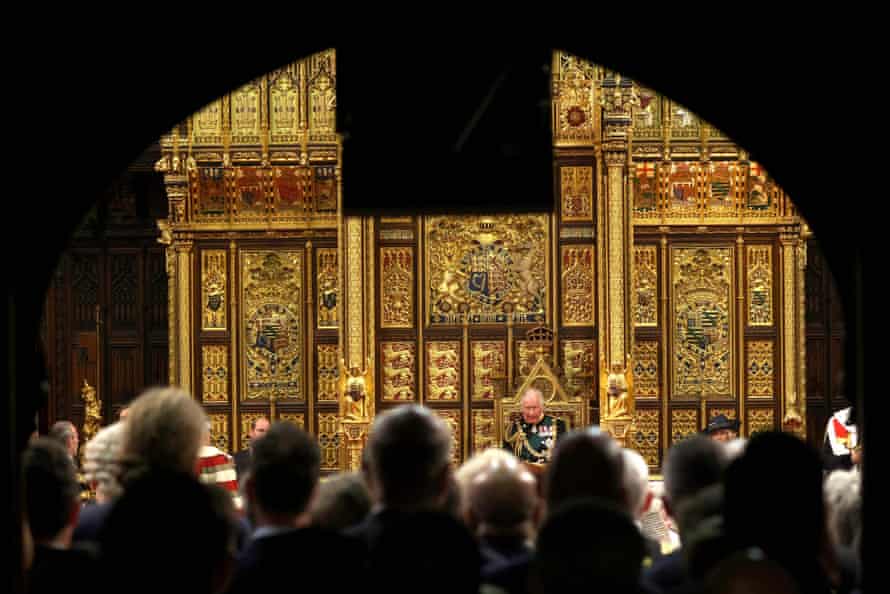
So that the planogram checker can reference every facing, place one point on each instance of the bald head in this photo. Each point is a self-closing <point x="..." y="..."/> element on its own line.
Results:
<point x="502" y="497"/>
<point x="636" y="482"/>
<point x="586" y="463"/>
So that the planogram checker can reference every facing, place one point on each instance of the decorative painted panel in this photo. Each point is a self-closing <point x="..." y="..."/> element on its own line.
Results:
<point x="291" y="189"/>
<point x="580" y="367"/>
<point x="285" y="105"/>
<point x="577" y="193"/>
<point x="298" y="419"/>
<point x="396" y="287"/>
<point x="272" y="354"/>
<point x="328" y="288"/>
<point x="443" y="370"/>
<point x="645" y="189"/>
<point x="647" y="115"/>
<point x="577" y="285"/>
<point x="487" y="269"/>
<point x="702" y="302"/>
<point x="452" y="418"/>
<point x="758" y="191"/>
<point x="329" y="441"/>
<point x="213" y="290"/>
<point x="209" y="194"/>
<point x="215" y="366"/>
<point x="247" y="188"/>
<point x="219" y="430"/>
<point x="398" y="375"/>
<point x="645" y="273"/>
<point x="761" y="369"/>
<point x="683" y="198"/>
<point x="645" y="366"/>
<point x="645" y="439"/>
<point x="573" y="100"/>
<point x="483" y="430"/>
<point x="489" y="369"/>
<point x="721" y="198"/>
<point x="245" y="119"/>
<point x="247" y="420"/>
<point x="684" y="422"/>
<point x="322" y="97"/>
<point x="328" y="373"/>
<point x="761" y="419"/>
<point x="760" y="285"/>
<point x="325" y="192"/>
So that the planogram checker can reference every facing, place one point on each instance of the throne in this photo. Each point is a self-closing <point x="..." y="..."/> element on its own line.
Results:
<point x="543" y="376"/>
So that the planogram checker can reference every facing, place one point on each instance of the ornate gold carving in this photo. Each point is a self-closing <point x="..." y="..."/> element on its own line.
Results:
<point x="573" y="100"/>
<point x="525" y="360"/>
<point x="215" y="363"/>
<point x="443" y="375"/>
<point x="646" y="437"/>
<point x="483" y="430"/>
<point x="356" y="388"/>
<point x="452" y="418"/>
<point x="245" y="105"/>
<point x="247" y="420"/>
<point x="285" y="105"/>
<point x="760" y="285"/>
<point x="729" y="413"/>
<point x="329" y="441"/>
<point x="398" y="370"/>
<point x="761" y="419"/>
<point x="397" y="234"/>
<point x="207" y="124"/>
<point x="616" y="264"/>
<point x="328" y="288"/>
<point x="579" y="365"/>
<point x="645" y="293"/>
<point x="213" y="290"/>
<point x="684" y="123"/>
<point x="298" y="419"/>
<point x="354" y="314"/>
<point x="396" y="287"/>
<point x="645" y="365"/>
<point x="271" y="284"/>
<point x="647" y="114"/>
<point x="219" y="430"/>
<point x="761" y="369"/>
<point x="184" y="308"/>
<point x="487" y="269"/>
<point x="702" y="308"/>
<point x="792" y="409"/>
<point x="577" y="193"/>
<point x="577" y="285"/>
<point x="92" y="413"/>
<point x="328" y="373"/>
<point x="322" y="97"/>
<point x="616" y="385"/>
<point x="489" y="369"/>
<point x="684" y="422"/>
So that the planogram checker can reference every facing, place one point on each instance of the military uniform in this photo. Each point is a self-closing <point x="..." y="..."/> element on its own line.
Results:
<point x="534" y="442"/>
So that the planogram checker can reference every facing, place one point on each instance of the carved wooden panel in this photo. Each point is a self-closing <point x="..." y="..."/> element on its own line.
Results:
<point x="578" y="281"/>
<point x="157" y="292"/>
<point x="483" y="430"/>
<point x="327" y="281"/>
<point x="124" y="304"/>
<point x="573" y="100"/>
<point x="489" y="369"/>
<point x="329" y="441"/>
<point x="246" y="113"/>
<point x="84" y="290"/>
<point x="760" y="285"/>
<point x="285" y="104"/>
<point x="579" y="363"/>
<point x="646" y="438"/>
<point x="396" y="287"/>
<point x="322" y="83"/>
<point x="207" y="124"/>
<point x="443" y="370"/>
<point x="126" y="370"/>
<point x="729" y="413"/>
<point x="298" y="419"/>
<point x="452" y="418"/>
<point x="328" y="373"/>
<point x="215" y="366"/>
<point x="219" y="430"/>
<point x="645" y="366"/>
<point x="214" y="303"/>
<point x="645" y="291"/>
<point x="684" y="422"/>
<point x="576" y="184"/>
<point x="398" y="370"/>
<point x="761" y="419"/>
<point x="158" y="372"/>
<point x="761" y="369"/>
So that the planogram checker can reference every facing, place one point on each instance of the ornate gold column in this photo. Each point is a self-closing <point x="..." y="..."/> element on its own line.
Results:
<point x="793" y="260"/>
<point x="616" y="245"/>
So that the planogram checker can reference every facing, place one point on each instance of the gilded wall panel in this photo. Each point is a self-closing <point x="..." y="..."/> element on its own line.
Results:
<point x="247" y="188"/>
<point x="579" y="362"/>
<point x="684" y="422"/>
<point x="285" y="105"/>
<point x="683" y="198"/>
<point x="213" y="290"/>
<point x="645" y="188"/>
<point x="219" y="430"/>
<point x="573" y="100"/>
<point x="483" y="430"/>
<point x="645" y="439"/>
<point x="298" y="419"/>
<point x="761" y="369"/>
<point x="729" y="413"/>
<point x="207" y="124"/>
<point x="208" y="194"/>
<point x="328" y="373"/>
<point x="322" y="82"/>
<point x="684" y="123"/>
<point x="325" y="189"/>
<point x="760" y="285"/>
<point x="759" y="199"/>
<point x="525" y="360"/>
<point x="487" y="269"/>
<point x="247" y="421"/>
<point x="576" y="184"/>
<point x="246" y="113"/>
<point x="215" y="364"/>
<point x="645" y="293"/>
<point x="272" y="324"/>
<point x="354" y="292"/>
<point x="291" y="192"/>
<point x="577" y="285"/>
<point x="645" y="366"/>
<point x="328" y="285"/>
<point x="452" y="418"/>
<point x="396" y="287"/>
<point x="761" y="419"/>
<point x="702" y="311"/>
<point x="489" y="369"/>
<point x="721" y="199"/>
<point x="647" y="114"/>
<point x="443" y="370"/>
<point x="397" y="379"/>
<point x="329" y="441"/>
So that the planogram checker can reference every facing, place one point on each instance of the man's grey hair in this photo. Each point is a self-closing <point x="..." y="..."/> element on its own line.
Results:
<point x="62" y="431"/>
<point x="636" y="481"/>
<point x="691" y="465"/>
<point x="843" y="502"/>
<point x="164" y="430"/>
<point x="533" y="390"/>
<point x="102" y="461"/>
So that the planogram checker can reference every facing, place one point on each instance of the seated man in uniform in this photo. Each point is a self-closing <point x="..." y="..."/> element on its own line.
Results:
<point x="533" y="437"/>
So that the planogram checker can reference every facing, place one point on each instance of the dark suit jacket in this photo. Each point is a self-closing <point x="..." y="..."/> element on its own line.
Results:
<point x="242" y="463"/>
<point x="90" y="522"/>
<point x="55" y="570"/>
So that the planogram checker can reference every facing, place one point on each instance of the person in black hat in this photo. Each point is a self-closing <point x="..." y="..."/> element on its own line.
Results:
<point x="721" y="428"/>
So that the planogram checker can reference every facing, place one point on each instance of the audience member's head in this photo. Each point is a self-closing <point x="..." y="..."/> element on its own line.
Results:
<point x="102" y="462"/>
<point x="163" y="431"/>
<point x="691" y="466"/>
<point x="51" y="492"/>
<point x="636" y="483"/>
<point x="168" y="530"/>
<point x="777" y="467"/>
<point x="408" y="458"/>
<point x="502" y="500"/>
<point x="258" y="428"/>
<point x="843" y="501"/>
<point x="735" y="448"/>
<point x="65" y="433"/>
<point x="123" y="412"/>
<point x="589" y="545"/>
<point x="723" y="429"/>
<point x="586" y="463"/>
<point x="468" y="471"/>
<point x="284" y="475"/>
<point x="341" y="501"/>
<point x="749" y="571"/>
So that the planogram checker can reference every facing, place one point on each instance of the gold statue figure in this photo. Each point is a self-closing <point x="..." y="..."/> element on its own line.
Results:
<point x="92" y="417"/>
<point x="357" y="389"/>
<point x="617" y="386"/>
